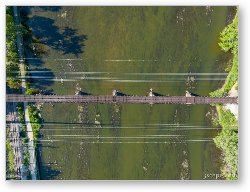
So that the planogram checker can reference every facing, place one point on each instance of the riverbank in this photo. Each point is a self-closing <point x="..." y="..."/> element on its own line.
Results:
<point x="229" y="43"/>
<point x="19" y="42"/>
<point x="227" y="140"/>
<point x="16" y="83"/>
<point x="33" y="119"/>
<point x="15" y="168"/>
<point x="232" y="107"/>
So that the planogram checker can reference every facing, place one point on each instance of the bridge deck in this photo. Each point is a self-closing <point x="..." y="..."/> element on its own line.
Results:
<point x="121" y="99"/>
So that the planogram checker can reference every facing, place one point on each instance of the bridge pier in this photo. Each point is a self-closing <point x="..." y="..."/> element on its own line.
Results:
<point x="151" y="93"/>
<point x="188" y="94"/>
<point x="114" y="92"/>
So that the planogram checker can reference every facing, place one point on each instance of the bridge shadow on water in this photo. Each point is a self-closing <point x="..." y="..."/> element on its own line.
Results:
<point x="83" y="93"/>
<point x="158" y="94"/>
<point x="119" y="93"/>
<point x="195" y="95"/>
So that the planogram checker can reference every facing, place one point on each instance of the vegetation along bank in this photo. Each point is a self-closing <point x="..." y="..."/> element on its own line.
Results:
<point x="227" y="140"/>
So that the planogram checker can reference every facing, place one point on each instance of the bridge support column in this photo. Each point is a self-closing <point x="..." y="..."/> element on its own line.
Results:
<point x="151" y="93"/>
<point x="188" y="94"/>
<point x="114" y="92"/>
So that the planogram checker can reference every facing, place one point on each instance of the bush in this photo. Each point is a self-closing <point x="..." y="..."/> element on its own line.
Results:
<point x="227" y="141"/>
<point x="36" y="120"/>
<point x="229" y="37"/>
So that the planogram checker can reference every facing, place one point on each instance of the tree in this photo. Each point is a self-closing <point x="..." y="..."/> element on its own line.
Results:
<point x="229" y="37"/>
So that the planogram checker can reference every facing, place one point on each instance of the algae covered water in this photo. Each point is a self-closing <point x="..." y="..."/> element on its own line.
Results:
<point x="130" y="49"/>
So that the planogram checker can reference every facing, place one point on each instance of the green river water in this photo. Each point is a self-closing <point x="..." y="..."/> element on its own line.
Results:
<point x="131" y="49"/>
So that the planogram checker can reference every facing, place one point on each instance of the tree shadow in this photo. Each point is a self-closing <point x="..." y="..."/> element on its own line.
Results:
<point x="48" y="8"/>
<point x="49" y="146"/>
<point x="13" y="91"/>
<point x="65" y="39"/>
<point x="72" y="42"/>
<point x="33" y="47"/>
<point x="41" y="8"/>
<point x="46" y="172"/>
<point x="41" y="78"/>
<point x="40" y="33"/>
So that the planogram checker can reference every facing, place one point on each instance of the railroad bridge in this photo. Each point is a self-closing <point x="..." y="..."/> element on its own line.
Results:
<point x="151" y="99"/>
